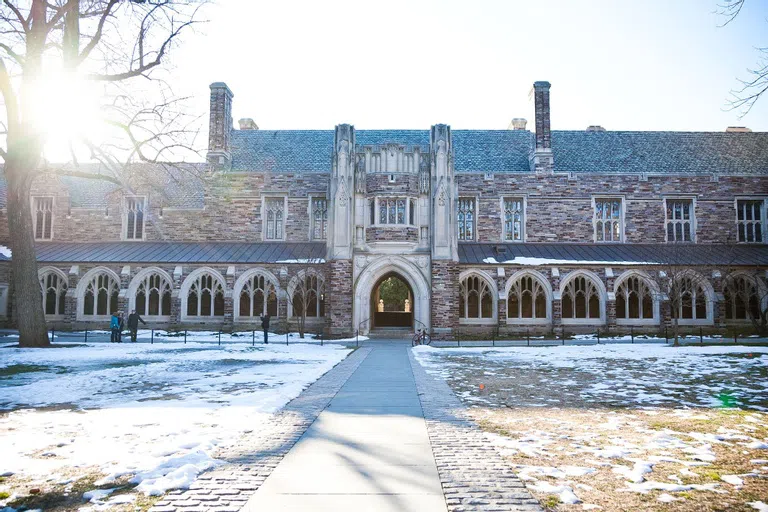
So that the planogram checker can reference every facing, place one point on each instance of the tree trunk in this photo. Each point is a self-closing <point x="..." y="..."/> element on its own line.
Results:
<point x="26" y="285"/>
<point x="677" y="332"/>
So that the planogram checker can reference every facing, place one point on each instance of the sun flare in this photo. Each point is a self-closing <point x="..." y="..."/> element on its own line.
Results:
<point x="66" y="108"/>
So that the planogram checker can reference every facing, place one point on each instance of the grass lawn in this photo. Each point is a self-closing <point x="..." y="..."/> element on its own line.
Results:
<point x="622" y="428"/>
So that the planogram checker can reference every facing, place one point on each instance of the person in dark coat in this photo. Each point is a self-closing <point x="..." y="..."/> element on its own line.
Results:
<point x="133" y="324"/>
<point x="121" y="326"/>
<point x="114" y="327"/>
<point x="265" y="326"/>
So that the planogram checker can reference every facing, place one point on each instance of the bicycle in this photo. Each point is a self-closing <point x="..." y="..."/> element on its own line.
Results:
<point x="421" y="338"/>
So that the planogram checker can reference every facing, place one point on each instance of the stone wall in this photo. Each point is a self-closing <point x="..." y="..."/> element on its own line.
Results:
<point x="340" y="281"/>
<point x="559" y="209"/>
<point x="391" y="234"/>
<point x="445" y="297"/>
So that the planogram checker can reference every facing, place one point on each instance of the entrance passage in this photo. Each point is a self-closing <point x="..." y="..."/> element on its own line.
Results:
<point x="392" y="303"/>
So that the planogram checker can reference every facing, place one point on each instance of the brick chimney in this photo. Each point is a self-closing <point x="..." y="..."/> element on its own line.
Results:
<point x="542" y="157"/>
<point x="220" y="126"/>
<point x="517" y="123"/>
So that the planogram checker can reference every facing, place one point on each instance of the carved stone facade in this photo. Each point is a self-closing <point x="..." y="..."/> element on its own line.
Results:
<point x="461" y="216"/>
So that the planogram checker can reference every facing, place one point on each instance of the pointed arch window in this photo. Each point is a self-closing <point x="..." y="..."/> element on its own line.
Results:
<point x="527" y="299"/>
<point x="693" y="303"/>
<point x="308" y="294"/>
<point x="742" y="299"/>
<point x="581" y="299"/>
<point x="634" y="300"/>
<point x="205" y="297"/>
<point x="258" y="297"/>
<point x="54" y="289"/>
<point x="475" y="298"/>
<point x="100" y="297"/>
<point x="153" y="296"/>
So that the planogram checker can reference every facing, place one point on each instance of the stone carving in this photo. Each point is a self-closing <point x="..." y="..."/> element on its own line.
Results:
<point x="361" y="261"/>
<point x="360" y="174"/>
<point x="381" y="305"/>
<point x="342" y="196"/>
<point x="422" y="261"/>
<point x="407" y="306"/>
<point x="424" y="174"/>
<point x="441" y="196"/>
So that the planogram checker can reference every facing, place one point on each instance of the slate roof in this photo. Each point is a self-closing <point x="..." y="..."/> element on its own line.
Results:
<point x="180" y="252"/>
<point x="661" y="152"/>
<point x="180" y="187"/>
<point x="607" y="254"/>
<point x="508" y="150"/>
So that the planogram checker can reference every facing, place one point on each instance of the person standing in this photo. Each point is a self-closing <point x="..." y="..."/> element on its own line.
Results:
<point x="265" y="326"/>
<point x="133" y="324"/>
<point x="114" y="327"/>
<point x="121" y="326"/>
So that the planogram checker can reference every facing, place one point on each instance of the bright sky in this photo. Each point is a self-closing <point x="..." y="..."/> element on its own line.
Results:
<point x="626" y="65"/>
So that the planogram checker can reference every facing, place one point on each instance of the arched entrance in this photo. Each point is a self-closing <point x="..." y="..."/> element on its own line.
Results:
<point x="372" y="276"/>
<point x="391" y="303"/>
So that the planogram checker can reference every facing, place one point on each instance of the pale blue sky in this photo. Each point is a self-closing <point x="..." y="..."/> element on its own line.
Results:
<point x="626" y="65"/>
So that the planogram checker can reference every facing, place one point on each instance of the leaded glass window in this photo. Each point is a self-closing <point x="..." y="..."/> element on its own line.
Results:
<point x="134" y="218"/>
<point x="275" y="213"/>
<point x="742" y="298"/>
<point x="749" y="220"/>
<point x="319" y="218"/>
<point x="608" y="220"/>
<point x="466" y="218"/>
<point x="394" y="210"/>
<point x="43" y="218"/>
<point x="679" y="220"/>
<point x="513" y="220"/>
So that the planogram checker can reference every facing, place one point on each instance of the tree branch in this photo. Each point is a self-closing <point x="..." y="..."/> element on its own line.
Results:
<point x="24" y="22"/>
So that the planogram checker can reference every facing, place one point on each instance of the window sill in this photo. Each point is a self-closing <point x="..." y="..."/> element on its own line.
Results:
<point x="528" y="321"/>
<point x="583" y="321"/>
<point x="477" y="321"/>
<point x="637" y="321"/>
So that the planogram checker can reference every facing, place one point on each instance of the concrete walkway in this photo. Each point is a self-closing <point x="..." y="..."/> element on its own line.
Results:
<point x="367" y="451"/>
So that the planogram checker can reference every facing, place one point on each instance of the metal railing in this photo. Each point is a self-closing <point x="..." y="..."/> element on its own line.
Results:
<point x="357" y="331"/>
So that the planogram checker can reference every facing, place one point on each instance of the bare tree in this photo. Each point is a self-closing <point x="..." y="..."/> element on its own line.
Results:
<point x="746" y="296"/>
<point x="745" y="96"/>
<point x="53" y="50"/>
<point x="684" y="281"/>
<point x="306" y="294"/>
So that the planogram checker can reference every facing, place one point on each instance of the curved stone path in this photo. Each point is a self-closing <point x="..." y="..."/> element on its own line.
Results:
<point x="376" y="433"/>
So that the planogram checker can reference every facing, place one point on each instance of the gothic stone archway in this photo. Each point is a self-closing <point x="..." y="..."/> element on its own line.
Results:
<point x="391" y="301"/>
<point x="369" y="280"/>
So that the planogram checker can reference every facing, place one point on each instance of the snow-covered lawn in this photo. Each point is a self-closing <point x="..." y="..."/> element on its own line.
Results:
<point x="153" y="414"/>
<point x="622" y="427"/>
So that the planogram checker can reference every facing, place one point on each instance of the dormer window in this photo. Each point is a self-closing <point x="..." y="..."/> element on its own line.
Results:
<point x="133" y="219"/>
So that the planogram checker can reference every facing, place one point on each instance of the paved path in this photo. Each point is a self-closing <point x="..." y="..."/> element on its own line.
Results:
<point x="368" y="450"/>
<point x="376" y="433"/>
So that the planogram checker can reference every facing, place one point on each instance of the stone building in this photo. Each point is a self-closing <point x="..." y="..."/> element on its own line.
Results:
<point x="491" y="230"/>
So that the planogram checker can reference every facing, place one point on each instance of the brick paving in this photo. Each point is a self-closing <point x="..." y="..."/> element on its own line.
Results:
<point x="251" y="460"/>
<point x="474" y="476"/>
